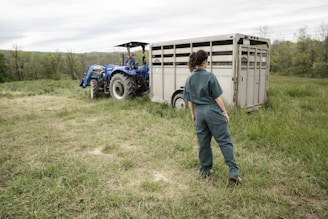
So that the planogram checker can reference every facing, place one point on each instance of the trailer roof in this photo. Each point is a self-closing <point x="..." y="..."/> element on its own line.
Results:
<point x="211" y="38"/>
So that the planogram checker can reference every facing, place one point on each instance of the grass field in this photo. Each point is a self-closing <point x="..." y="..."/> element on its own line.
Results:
<point x="63" y="155"/>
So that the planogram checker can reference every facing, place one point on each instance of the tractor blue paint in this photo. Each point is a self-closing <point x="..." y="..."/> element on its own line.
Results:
<point x="120" y="81"/>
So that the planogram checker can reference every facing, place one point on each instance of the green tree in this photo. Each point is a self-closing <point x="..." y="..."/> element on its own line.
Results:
<point x="320" y="70"/>
<point x="71" y="64"/>
<point x="320" y="66"/>
<point x="33" y="66"/>
<point x="4" y="70"/>
<point x="281" y="56"/>
<point x="52" y="65"/>
<point x="301" y="64"/>
<point x="304" y="57"/>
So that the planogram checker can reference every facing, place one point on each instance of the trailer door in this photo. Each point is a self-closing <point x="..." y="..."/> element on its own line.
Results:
<point x="253" y="70"/>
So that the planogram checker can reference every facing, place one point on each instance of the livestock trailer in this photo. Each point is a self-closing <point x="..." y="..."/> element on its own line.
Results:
<point x="240" y="62"/>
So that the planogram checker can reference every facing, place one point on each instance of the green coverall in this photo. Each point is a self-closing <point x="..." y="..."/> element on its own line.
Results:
<point x="202" y="88"/>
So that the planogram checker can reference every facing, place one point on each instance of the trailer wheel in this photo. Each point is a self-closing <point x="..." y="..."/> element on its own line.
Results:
<point x="179" y="102"/>
<point x="94" y="89"/>
<point x="122" y="87"/>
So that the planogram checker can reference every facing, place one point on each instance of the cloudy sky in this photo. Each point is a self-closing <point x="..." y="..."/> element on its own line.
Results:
<point x="99" y="25"/>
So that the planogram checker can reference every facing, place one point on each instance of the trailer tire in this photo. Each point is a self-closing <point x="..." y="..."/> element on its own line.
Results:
<point x="94" y="89"/>
<point x="179" y="102"/>
<point x="122" y="86"/>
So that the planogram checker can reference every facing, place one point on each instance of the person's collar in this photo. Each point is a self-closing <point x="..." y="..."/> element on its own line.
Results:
<point x="200" y="69"/>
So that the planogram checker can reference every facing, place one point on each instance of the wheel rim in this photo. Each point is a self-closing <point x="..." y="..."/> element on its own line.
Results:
<point x="180" y="103"/>
<point x="118" y="89"/>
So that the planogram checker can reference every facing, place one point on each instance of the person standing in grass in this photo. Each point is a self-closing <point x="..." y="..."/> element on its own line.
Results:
<point x="203" y="95"/>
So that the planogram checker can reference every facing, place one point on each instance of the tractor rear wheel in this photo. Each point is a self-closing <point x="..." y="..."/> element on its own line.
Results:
<point x="94" y="89"/>
<point x="122" y="86"/>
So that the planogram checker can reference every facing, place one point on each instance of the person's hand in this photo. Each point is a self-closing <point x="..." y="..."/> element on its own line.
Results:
<point x="193" y="118"/>
<point x="227" y="117"/>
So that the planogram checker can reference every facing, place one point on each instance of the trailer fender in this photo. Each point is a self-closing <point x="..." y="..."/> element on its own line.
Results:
<point x="177" y="100"/>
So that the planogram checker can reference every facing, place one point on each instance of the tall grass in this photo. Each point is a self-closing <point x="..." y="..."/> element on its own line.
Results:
<point x="63" y="155"/>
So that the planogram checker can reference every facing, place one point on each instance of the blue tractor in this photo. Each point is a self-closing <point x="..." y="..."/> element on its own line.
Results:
<point x="122" y="81"/>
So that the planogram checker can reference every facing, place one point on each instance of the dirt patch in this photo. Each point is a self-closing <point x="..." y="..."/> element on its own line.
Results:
<point x="97" y="152"/>
<point x="158" y="176"/>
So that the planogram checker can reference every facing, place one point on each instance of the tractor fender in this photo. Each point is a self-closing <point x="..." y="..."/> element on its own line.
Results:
<point x="124" y="71"/>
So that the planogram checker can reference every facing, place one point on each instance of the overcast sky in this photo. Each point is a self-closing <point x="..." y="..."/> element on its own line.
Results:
<point x="99" y="25"/>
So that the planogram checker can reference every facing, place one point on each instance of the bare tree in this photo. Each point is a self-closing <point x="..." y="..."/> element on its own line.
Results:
<point x="19" y="66"/>
<point x="83" y="60"/>
<point x="304" y="41"/>
<point x="322" y="32"/>
<point x="264" y="31"/>
<point x="71" y="61"/>
<point x="302" y="34"/>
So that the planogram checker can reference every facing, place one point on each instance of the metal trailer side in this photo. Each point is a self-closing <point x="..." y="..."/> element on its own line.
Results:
<point x="240" y="63"/>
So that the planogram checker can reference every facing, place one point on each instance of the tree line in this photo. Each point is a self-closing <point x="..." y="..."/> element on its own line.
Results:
<point x="307" y="57"/>
<point x="17" y="65"/>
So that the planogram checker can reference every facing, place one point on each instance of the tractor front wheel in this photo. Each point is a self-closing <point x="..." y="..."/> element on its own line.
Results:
<point x="94" y="89"/>
<point x="122" y="86"/>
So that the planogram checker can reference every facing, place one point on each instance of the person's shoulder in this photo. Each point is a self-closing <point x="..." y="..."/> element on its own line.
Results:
<point x="212" y="76"/>
<point x="209" y="73"/>
<point x="192" y="74"/>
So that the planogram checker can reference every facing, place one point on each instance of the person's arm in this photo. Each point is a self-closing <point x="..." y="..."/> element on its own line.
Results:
<point x="219" y="101"/>
<point x="192" y="111"/>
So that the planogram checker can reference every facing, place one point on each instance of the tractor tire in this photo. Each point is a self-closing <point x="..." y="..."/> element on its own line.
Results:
<point x="179" y="102"/>
<point x="94" y="89"/>
<point x="122" y="86"/>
